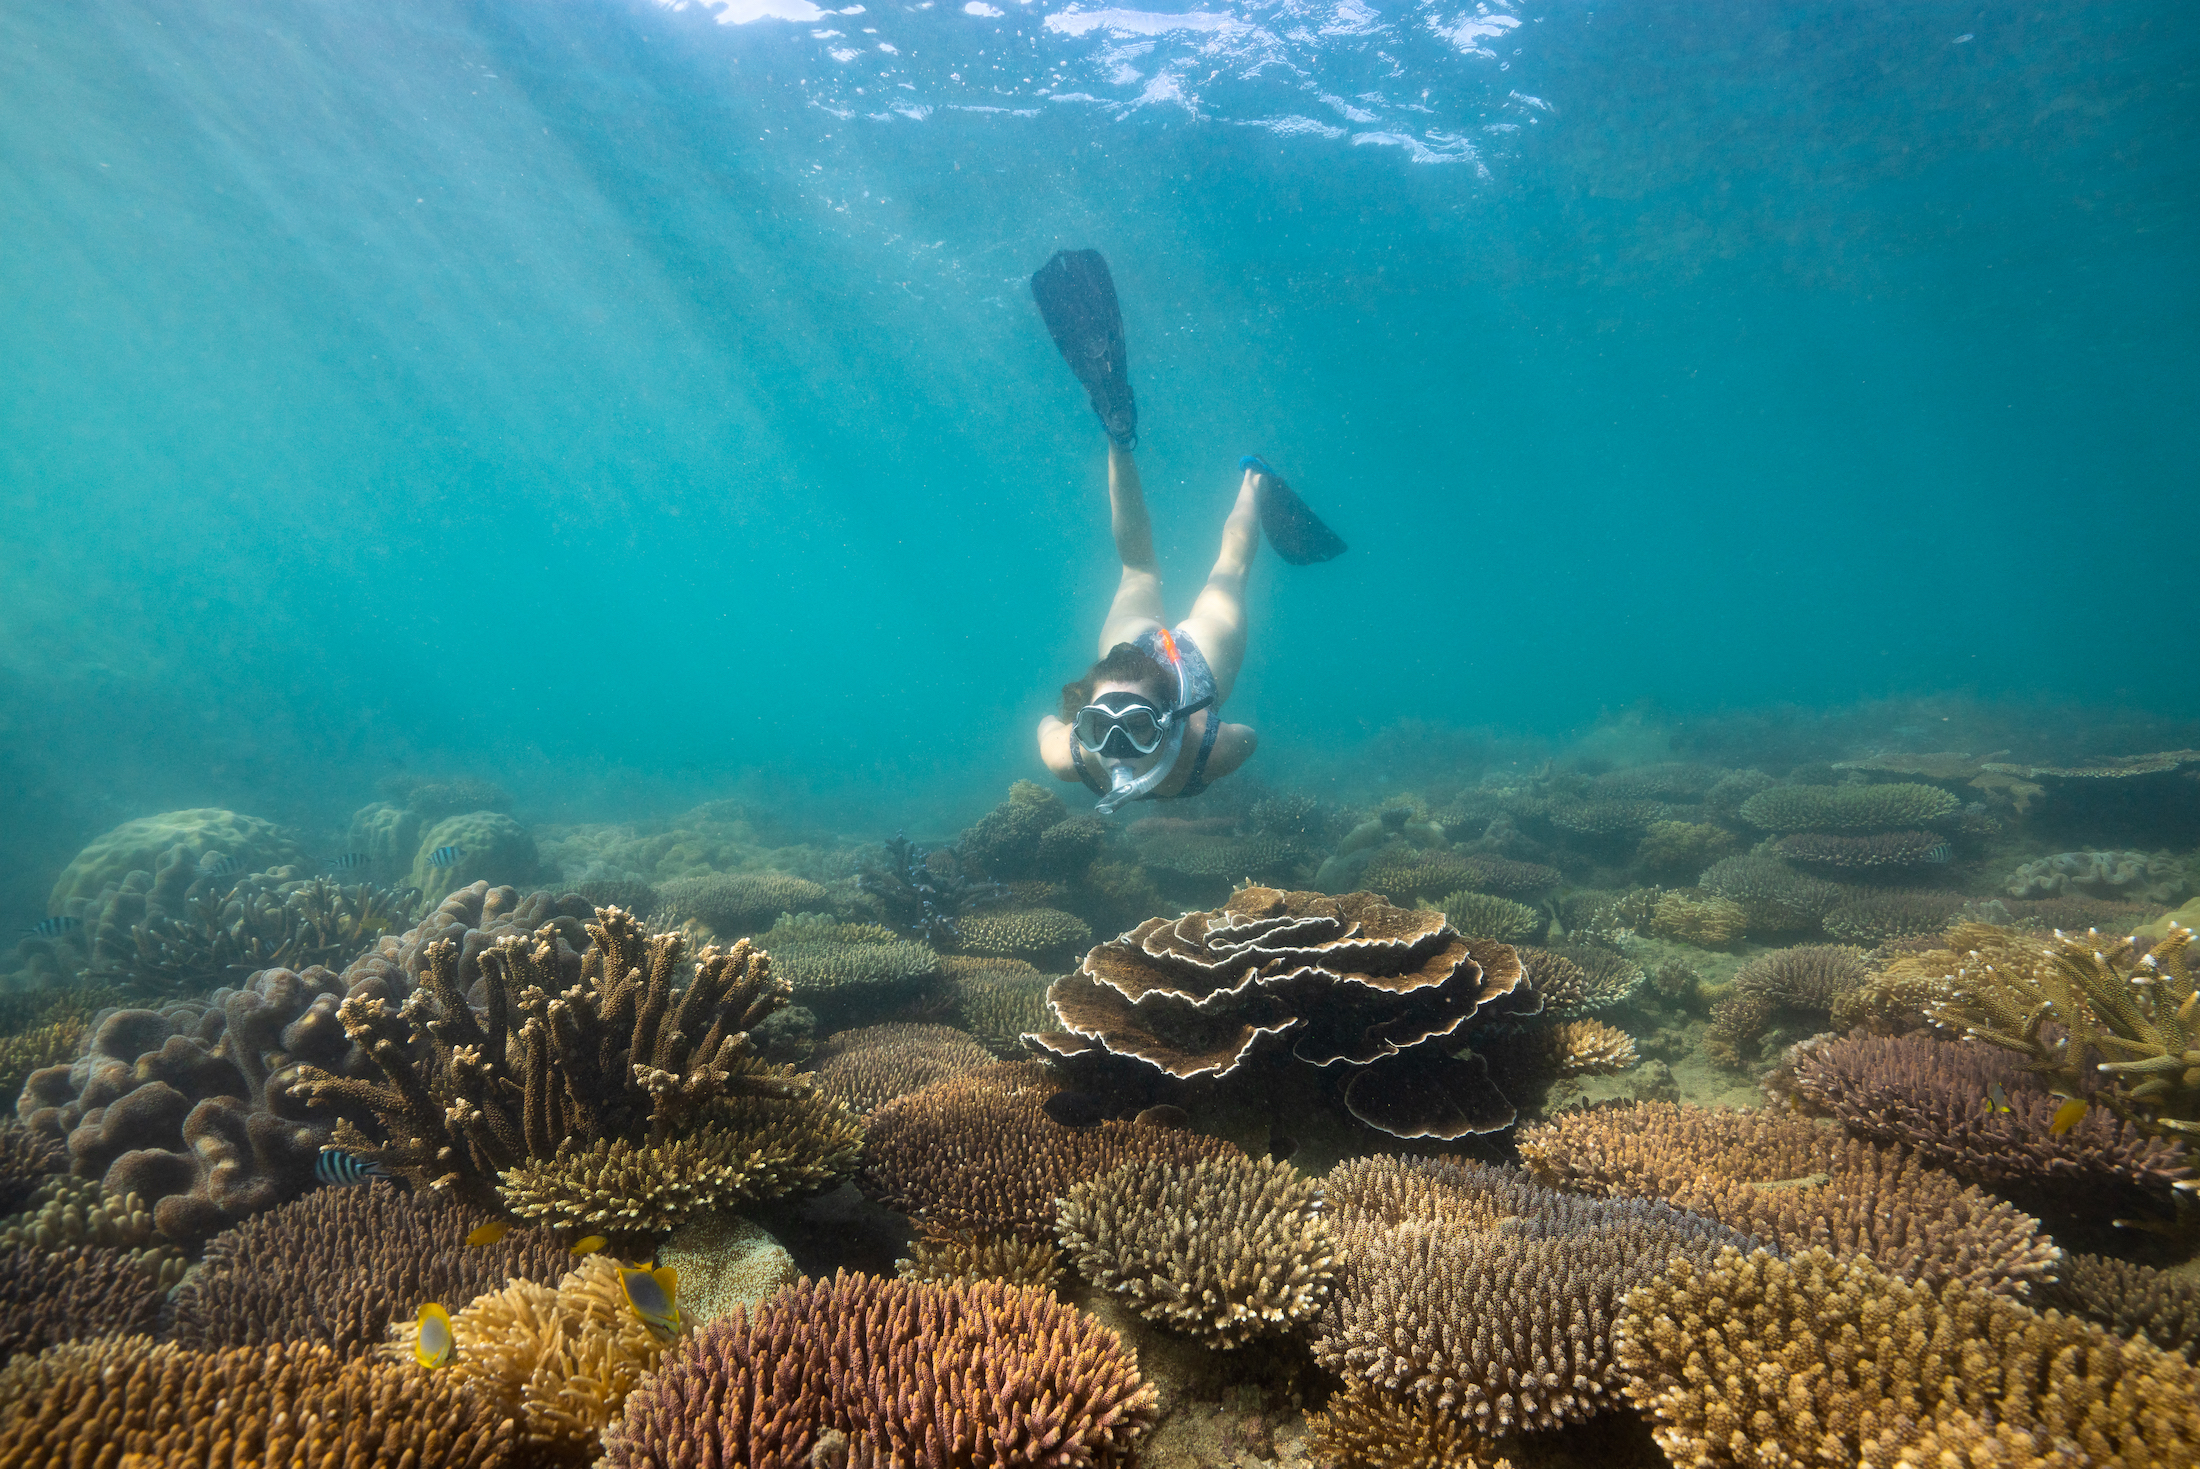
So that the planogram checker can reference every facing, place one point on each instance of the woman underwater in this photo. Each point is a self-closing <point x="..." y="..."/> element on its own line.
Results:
<point x="1145" y="722"/>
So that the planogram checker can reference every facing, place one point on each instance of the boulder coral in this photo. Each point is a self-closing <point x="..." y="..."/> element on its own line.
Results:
<point x="137" y="846"/>
<point x="484" y="846"/>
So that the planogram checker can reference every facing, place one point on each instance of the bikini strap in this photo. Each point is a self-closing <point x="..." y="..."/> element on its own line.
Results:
<point x="1198" y="782"/>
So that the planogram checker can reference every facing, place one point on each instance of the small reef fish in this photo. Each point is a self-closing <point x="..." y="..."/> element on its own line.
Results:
<point x="488" y="1234"/>
<point x="590" y="1245"/>
<point x="654" y="1295"/>
<point x="445" y="856"/>
<point x="47" y="928"/>
<point x="1940" y="853"/>
<point x="215" y="864"/>
<point x="437" y="1343"/>
<point x="339" y="1167"/>
<point x="1997" y="1100"/>
<point x="347" y="862"/>
<point x="2068" y="1115"/>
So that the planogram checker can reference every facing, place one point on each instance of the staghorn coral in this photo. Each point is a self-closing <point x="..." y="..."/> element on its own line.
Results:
<point x="598" y="1046"/>
<point x="1774" y="897"/>
<point x="1223" y="1249"/>
<point x="1362" y="1427"/>
<point x="2130" y="1012"/>
<point x="128" y="1402"/>
<point x="942" y="1256"/>
<point x="744" y="1149"/>
<point x="138" y="846"/>
<point x="724" y="1262"/>
<point x="1470" y="1292"/>
<point x="76" y="1291"/>
<point x="871" y="1066"/>
<point x="1813" y="978"/>
<point x="2156" y="877"/>
<point x="1753" y="1360"/>
<point x="734" y="903"/>
<point x="1853" y="808"/>
<point x="911" y="1372"/>
<point x="26" y="1158"/>
<point x="1878" y="851"/>
<point x="560" y="1359"/>
<point x="1018" y="933"/>
<point x="1486" y="916"/>
<point x="334" y="1267"/>
<point x="1589" y="1048"/>
<point x="1703" y="920"/>
<point x="1580" y="979"/>
<point x="1792" y="1180"/>
<point x="818" y="955"/>
<point x="997" y="1000"/>
<point x="1352" y="980"/>
<point x="1682" y="848"/>
<point x="979" y="1152"/>
<point x="1874" y="915"/>
<point x="2131" y="1300"/>
<point x="1931" y="1096"/>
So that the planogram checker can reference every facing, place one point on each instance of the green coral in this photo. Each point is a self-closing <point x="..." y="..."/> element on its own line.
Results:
<point x="1483" y="916"/>
<point x="734" y="903"/>
<point x="1020" y="932"/>
<point x="815" y="953"/>
<point x="1847" y="808"/>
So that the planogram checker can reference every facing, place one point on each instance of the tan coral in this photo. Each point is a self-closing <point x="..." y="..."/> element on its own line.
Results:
<point x="999" y="1001"/>
<point x="1704" y="920"/>
<point x="735" y="903"/>
<point x="1486" y="916"/>
<point x="1811" y="978"/>
<point x="1797" y="1182"/>
<point x="1363" y="1428"/>
<point x="1754" y="1360"/>
<point x="79" y="1211"/>
<point x="1224" y="1249"/>
<point x="874" y="1064"/>
<point x="1590" y="1048"/>
<point x="2132" y="1301"/>
<point x="942" y="1256"/>
<point x="1020" y="932"/>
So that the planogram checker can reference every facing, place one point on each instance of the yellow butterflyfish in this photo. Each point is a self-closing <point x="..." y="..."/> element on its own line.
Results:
<point x="653" y="1294"/>
<point x="437" y="1344"/>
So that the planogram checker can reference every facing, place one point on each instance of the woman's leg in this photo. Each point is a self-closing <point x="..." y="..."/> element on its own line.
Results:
<point x="1217" y="622"/>
<point x="1137" y="606"/>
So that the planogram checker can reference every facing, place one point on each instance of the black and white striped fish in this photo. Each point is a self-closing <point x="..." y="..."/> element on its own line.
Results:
<point x="215" y="864"/>
<point x="348" y="862"/>
<point x="445" y="856"/>
<point x="1940" y="853"/>
<point x="48" y="928"/>
<point x="339" y="1167"/>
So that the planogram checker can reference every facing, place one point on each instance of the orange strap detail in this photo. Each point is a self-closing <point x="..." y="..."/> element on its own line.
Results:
<point x="1168" y="646"/>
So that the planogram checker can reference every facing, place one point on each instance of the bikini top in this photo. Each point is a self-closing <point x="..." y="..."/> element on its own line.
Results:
<point x="1198" y="683"/>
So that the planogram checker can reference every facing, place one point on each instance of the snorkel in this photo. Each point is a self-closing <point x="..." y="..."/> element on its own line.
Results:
<point x="1123" y="784"/>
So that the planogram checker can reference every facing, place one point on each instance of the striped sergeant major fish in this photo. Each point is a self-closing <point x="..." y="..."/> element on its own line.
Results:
<point x="54" y="927"/>
<point x="445" y="856"/>
<point x="1940" y="853"/>
<point x="349" y="862"/>
<point x="335" y="1166"/>
<point x="219" y="864"/>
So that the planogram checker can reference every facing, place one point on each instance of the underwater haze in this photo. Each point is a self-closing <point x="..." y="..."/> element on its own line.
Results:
<point x="640" y="403"/>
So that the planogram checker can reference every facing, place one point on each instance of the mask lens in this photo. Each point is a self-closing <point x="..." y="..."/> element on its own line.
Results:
<point x="1108" y="731"/>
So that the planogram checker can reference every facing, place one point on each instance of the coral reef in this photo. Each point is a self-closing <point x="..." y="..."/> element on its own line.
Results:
<point x="1487" y="916"/>
<point x="868" y="1067"/>
<point x="1682" y="848"/>
<point x="26" y="1158"/>
<point x="1589" y="1048"/>
<point x="915" y="1373"/>
<point x="724" y="1262"/>
<point x="76" y="1291"/>
<point x="2155" y="877"/>
<point x="1877" y="851"/>
<point x="946" y="1255"/>
<point x="2131" y="1300"/>
<point x="1774" y="897"/>
<point x="127" y="1402"/>
<point x="979" y="1152"/>
<point x="1223" y="1249"/>
<point x="927" y="893"/>
<point x="1853" y="808"/>
<point x="435" y="797"/>
<point x="998" y="1000"/>
<point x="817" y="955"/>
<point x="1754" y="1360"/>
<point x="1365" y="1428"/>
<point x="1229" y="856"/>
<point x="1580" y="979"/>
<point x="731" y="904"/>
<point x="1930" y="1095"/>
<point x="1468" y="1291"/>
<point x="1607" y="818"/>
<point x="77" y="1211"/>
<point x="335" y="1267"/>
<point x="1019" y="933"/>
<point x="630" y="893"/>
<point x="1813" y="978"/>
<point x="137" y="846"/>
<point x="483" y="846"/>
<point x="387" y="837"/>
<point x="1870" y="916"/>
<point x="1352" y="980"/>
<point x="1703" y="920"/>
<point x="1799" y="1183"/>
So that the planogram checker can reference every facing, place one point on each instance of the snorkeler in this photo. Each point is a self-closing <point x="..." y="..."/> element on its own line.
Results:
<point x="1145" y="722"/>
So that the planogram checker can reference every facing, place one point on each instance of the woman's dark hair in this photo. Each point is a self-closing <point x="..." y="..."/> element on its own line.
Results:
<point x="1124" y="664"/>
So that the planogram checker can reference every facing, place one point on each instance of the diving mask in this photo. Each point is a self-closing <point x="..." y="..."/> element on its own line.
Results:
<point x="1125" y="726"/>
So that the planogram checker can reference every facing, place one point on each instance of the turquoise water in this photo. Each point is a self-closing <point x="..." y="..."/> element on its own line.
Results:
<point x="638" y="403"/>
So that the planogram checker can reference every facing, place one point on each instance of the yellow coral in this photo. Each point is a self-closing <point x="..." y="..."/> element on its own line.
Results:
<point x="1702" y="919"/>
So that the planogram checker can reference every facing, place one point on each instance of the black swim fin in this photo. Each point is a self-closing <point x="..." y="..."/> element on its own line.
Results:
<point x="1076" y="295"/>
<point x="1295" y="531"/>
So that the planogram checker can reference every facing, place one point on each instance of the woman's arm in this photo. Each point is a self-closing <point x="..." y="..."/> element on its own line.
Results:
<point x="1054" y="738"/>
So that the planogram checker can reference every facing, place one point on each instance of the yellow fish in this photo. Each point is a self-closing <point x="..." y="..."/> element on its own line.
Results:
<point x="437" y="1345"/>
<point x="590" y="1245"/>
<point x="2068" y="1115"/>
<point x="1997" y="1100"/>
<point x="654" y="1295"/>
<point x="489" y="1233"/>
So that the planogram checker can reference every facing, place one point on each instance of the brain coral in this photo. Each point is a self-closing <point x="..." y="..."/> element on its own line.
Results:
<point x="1223" y="1249"/>
<point x="868" y="1067"/>
<point x="1847" y="808"/>
<point x="912" y="1372"/>
<point x="137" y="846"/>
<point x="1020" y="932"/>
<point x="1798" y="1182"/>
<point x="1469" y="1291"/>
<point x="490" y="848"/>
<point x="1352" y="980"/>
<point x="1751" y="1360"/>
<point x="735" y="903"/>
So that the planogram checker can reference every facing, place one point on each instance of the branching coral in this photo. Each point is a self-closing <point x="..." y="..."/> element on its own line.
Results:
<point x="334" y="1268"/>
<point x="1877" y="851"/>
<point x="1775" y="897"/>
<point x="926" y="893"/>
<point x="35" y="1049"/>
<point x="979" y="1152"/>
<point x="1870" y="916"/>
<point x="1704" y="920"/>
<point x="998" y="1000"/>
<point x="78" y="1211"/>
<point x="26" y="1158"/>
<point x="913" y="1373"/>
<point x="1231" y="857"/>
<point x="1365" y="1428"/>
<point x="1589" y="1048"/>
<point x="126" y="1402"/>
<point x="818" y="955"/>
<point x="871" y="1066"/>
<point x="735" y="903"/>
<point x="1800" y="1183"/>
<point x="1022" y="932"/>
<point x="49" y="1296"/>
<point x="1469" y="1292"/>
<point x="1682" y="848"/>
<point x="1386" y="991"/>
<point x="1580" y="979"/>
<point x="1812" y="978"/>
<point x="1756" y="1361"/>
<point x="1606" y="818"/>
<point x="2132" y="1301"/>
<point x="1853" y="808"/>
<point x="1486" y="916"/>
<point x="942" y="1256"/>
<point x="1224" y="1249"/>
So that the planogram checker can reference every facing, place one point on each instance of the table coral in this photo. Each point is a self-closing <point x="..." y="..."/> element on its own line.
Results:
<point x="1800" y="1183"/>
<point x="1576" y="979"/>
<point x="734" y="903"/>
<point x="998" y="1000"/>
<point x="1774" y="897"/>
<point x="1878" y="851"/>
<point x="1022" y="932"/>
<point x="1750" y="1360"/>
<point x="868" y="1067"/>
<point x="917" y="1373"/>
<point x="818" y="955"/>
<point x="1353" y="981"/>
<point x="1873" y="915"/>
<point x="1850" y="808"/>
<point x="1487" y="916"/>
